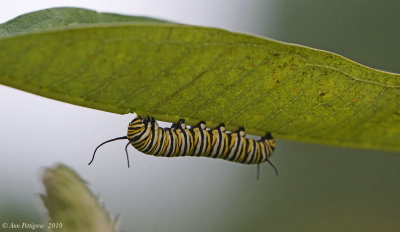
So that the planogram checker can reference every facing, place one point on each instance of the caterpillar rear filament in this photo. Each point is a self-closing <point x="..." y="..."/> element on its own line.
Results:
<point x="146" y="136"/>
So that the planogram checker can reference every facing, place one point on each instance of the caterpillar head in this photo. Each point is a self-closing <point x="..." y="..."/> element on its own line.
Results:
<point x="136" y="126"/>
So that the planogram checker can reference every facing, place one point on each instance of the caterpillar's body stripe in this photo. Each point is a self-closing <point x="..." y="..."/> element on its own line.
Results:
<point x="146" y="136"/>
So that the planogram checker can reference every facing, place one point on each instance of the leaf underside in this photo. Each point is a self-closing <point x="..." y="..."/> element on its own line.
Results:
<point x="125" y="64"/>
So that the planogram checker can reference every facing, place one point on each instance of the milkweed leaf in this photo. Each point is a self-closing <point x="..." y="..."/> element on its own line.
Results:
<point x="123" y="65"/>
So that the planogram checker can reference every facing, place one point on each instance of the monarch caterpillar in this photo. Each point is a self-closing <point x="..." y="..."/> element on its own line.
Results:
<point x="146" y="136"/>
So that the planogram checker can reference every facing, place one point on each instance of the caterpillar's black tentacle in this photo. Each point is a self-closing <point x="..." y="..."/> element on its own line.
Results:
<point x="126" y="151"/>
<point x="273" y="166"/>
<point x="94" y="153"/>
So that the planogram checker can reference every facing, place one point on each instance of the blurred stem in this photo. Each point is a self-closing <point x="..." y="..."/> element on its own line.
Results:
<point x="70" y="203"/>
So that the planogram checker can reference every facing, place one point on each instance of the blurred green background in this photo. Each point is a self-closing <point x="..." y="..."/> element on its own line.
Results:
<point x="319" y="188"/>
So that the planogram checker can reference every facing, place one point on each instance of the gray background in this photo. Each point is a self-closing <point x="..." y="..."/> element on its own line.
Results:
<point x="320" y="188"/>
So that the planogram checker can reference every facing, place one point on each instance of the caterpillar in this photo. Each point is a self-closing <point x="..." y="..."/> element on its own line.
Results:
<point x="146" y="136"/>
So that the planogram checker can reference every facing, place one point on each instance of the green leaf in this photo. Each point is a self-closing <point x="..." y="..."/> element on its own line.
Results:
<point x="71" y="205"/>
<point x="174" y="71"/>
<point x="64" y="18"/>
